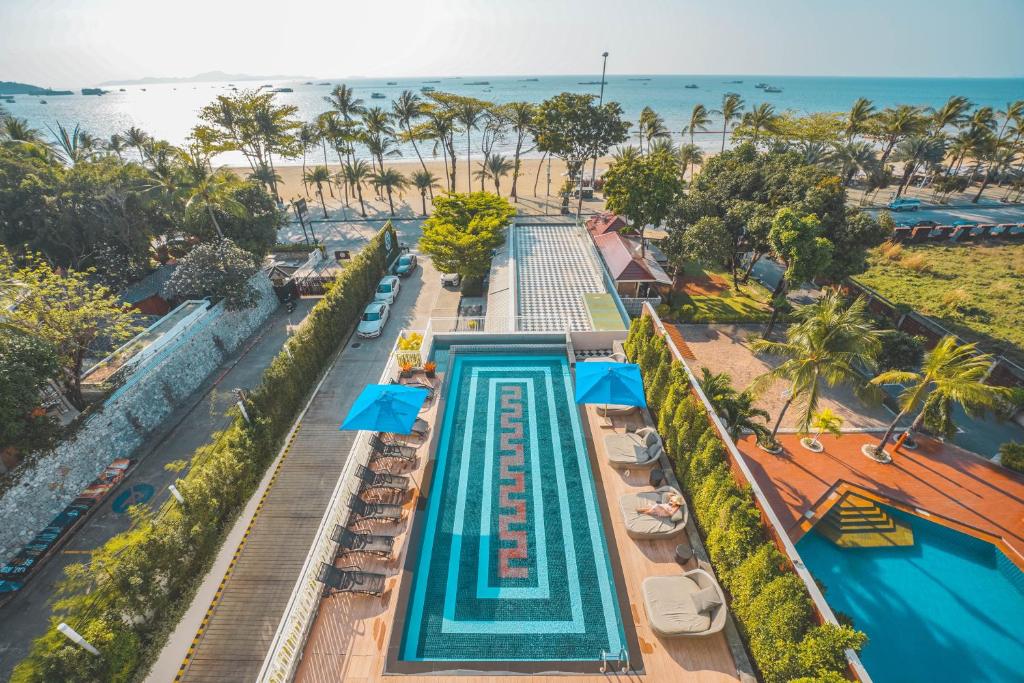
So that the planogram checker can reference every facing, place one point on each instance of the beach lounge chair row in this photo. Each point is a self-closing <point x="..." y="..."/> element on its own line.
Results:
<point x="639" y="449"/>
<point x="957" y="233"/>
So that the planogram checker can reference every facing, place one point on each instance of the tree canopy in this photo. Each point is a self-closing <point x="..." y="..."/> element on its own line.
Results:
<point x="26" y="364"/>
<point x="464" y="230"/>
<point x="573" y="128"/>
<point x="643" y="188"/>
<point x="219" y="270"/>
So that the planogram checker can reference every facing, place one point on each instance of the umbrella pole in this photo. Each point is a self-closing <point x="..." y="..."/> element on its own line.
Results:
<point x="608" y="417"/>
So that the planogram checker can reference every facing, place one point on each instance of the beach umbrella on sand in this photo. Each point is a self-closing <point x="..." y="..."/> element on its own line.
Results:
<point x="610" y="383"/>
<point x="385" y="408"/>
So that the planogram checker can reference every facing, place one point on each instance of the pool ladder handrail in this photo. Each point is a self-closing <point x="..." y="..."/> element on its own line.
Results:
<point x="622" y="659"/>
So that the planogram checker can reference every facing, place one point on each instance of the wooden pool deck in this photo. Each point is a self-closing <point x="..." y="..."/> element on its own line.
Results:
<point x="351" y="635"/>
<point x="955" y="487"/>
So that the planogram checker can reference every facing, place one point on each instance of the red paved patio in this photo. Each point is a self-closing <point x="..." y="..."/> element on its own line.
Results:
<point x="941" y="479"/>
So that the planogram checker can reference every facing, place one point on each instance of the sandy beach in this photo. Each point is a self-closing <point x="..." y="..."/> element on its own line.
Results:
<point x="533" y="181"/>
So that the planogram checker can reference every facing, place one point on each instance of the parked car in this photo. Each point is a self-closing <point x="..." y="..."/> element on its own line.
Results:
<point x="405" y="265"/>
<point x="450" y="279"/>
<point x="904" y="204"/>
<point x="387" y="289"/>
<point x="375" y="316"/>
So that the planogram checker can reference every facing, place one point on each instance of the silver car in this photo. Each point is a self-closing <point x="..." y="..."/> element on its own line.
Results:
<point x="375" y="316"/>
<point x="387" y="289"/>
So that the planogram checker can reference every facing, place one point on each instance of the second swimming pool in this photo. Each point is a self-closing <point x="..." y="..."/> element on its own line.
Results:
<point x="513" y="563"/>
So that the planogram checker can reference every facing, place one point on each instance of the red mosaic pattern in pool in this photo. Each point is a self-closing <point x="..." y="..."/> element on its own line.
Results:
<point x="513" y="481"/>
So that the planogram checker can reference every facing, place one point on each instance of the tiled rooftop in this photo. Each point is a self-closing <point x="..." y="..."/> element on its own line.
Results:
<point x="554" y="269"/>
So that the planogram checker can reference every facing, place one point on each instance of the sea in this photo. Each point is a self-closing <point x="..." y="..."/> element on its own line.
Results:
<point x="168" y="111"/>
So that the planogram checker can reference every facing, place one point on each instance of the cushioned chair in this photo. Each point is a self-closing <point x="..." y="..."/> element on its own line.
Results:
<point x="614" y="358"/>
<point x="639" y="449"/>
<point x="688" y="606"/>
<point x="649" y="527"/>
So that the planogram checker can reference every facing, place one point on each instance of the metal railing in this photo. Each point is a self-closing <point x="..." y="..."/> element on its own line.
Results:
<point x="635" y="305"/>
<point x="788" y="548"/>
<point x="493" y="325"/>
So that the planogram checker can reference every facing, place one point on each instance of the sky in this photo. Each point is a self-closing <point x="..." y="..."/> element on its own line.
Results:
<point x="82" y="42"/>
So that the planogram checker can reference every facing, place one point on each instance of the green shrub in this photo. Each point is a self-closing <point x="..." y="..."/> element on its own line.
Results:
<point x="770" y="602"/>
<point x="640" y="332"/>
<point x="140" y="581"/>
<point x="1011" y="454"/>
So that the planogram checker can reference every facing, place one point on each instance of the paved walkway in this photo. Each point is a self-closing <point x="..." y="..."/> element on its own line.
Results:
<point x="237" y="630"/>
<point x="939" y="478"/>
<point x="27" y="616"/>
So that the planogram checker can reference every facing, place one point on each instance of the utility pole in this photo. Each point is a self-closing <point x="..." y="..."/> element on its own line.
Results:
<point x="600" y="102"/>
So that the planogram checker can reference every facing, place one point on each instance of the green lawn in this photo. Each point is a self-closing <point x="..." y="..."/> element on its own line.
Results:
<point x="749" y="304"/>
<point x="975" y="290"/>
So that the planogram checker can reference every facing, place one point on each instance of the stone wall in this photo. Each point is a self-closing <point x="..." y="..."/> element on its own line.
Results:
<point x="159" y="385"/>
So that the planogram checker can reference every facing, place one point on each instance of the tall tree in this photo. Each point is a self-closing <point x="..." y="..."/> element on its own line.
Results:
<point x="464" y="230"/>
<point x="950" y="374"/>
<point x="356" y="173"/>
<point x="520" y="116"/>
<point x="575" y="129"/>
<point x="424" y="181"/>
<point x="643" y="189"/>
<point x="797" y="242"/>
<point x="468" y="112"/>
<point x="494" y="167"/>
<point x="859" y="118"/>
<point x="318" y="176"/>
<point x="760" y="118"/>
<point x="407" y="108"/>
<point x="732" y="107"/>
<point x="826" y="346"/>
<point x="896" y="123"/>
<point x="391" y="180"/>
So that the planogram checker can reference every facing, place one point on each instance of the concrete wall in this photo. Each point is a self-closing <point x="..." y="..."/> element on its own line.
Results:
<point x="160" y="384"/>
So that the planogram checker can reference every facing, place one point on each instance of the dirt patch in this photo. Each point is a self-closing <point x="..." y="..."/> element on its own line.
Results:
<point x="705" y="284"/>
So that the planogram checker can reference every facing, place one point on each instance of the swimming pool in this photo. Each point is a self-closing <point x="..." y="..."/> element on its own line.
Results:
<point x="512" y="562"/>
<point x="948" y="608"/>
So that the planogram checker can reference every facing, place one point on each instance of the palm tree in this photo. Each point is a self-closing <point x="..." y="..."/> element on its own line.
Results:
<point x="732" y="106"/>
<point x="761" y="117"/>
<point x="137" y="138"/>
<point x="735" y="409"/>
<point x="406" y="109"/>
<point x="915" y="151"/>
<point x="308" y="136"/>
<point x="318" y="176"/>
<point x="894" y="124"/>
<point x="441" y="126"/>
<point x="379" y="135"/>
<point x="690" y="154"/>
<point x="852" y="157"/>
<point x="72" y="145"/>
<point x="860" y="116"/>
<point x="356" y="173"/>
<point x="1001" y="160"/>
<point x="520" y="118"/>
<point x="495" y="167"/>
<point x="390" y="179"/>
<point x="826" y="420"/>
<point x="116" y="145"/>
<point x="327" y="126"/>
<point x="468" y="113"/>
<point x="827" y="343"/>
<point x="651" y="126"/>
<point x="952" y="113"/>
<point x="209" y="189"/>
<point x="950" y="374"/>
<point x="699" y="120"/>
<point x="344" y="101"/>
<point x="424" y="181"/>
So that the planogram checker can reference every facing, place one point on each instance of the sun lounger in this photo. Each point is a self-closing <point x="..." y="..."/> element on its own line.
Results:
<point x="391" y="451"/>
<point x="941" y="232"/>
<point x="688" y="606"/>
<point x="354" y="542"/>
<point x="417" y="383"/>
<point x="381" y="512"/>
<point x="639" y="449"/>
<point x="381" y="480"/>
<point x="648" y="527"/>
<point x="614" y="410"/>
<point x="350" y="580"/>
<point x="901" y="234"/>
<point x="920" y="233"/>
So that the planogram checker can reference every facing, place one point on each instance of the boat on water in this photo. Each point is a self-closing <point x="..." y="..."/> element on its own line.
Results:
<point x="377" y="96"/>
<point x="638" y="79"/>
<point x="735" y="81"/>
<point x="392" y="82"/>
<point x="93" y="91"/>
<point x="431" y="81"/>
<point x="282" y="90"/>
<point x="691" y="86"/>
<point x="529" y="80"/>
<point x="323" y="83"/>
<point x="761" y="85"/>
<point x="308" y="83"/>
<point x="120" y="89"/>
<point x="772" y="88"/>
<point x="427" y="88"/>
<point x="42" y="101"/>
<point x="478" y="83"/>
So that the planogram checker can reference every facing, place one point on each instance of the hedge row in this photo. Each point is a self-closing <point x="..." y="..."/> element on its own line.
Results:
<point x="130" y="596"/>
<point x="769" y="601"/>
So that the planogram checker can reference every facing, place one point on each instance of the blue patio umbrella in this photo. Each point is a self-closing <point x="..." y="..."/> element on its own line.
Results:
<point x="385" y="408"/>
<point x="610" y="383"/>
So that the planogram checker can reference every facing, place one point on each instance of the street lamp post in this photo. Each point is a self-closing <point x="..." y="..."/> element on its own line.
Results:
<point x="600" y="102"/>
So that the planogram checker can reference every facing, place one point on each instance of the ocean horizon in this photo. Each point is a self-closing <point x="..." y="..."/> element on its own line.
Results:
<point x="169" y="110"/>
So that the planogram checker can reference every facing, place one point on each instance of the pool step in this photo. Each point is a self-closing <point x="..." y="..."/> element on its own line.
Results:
<point x="856" y="522"/>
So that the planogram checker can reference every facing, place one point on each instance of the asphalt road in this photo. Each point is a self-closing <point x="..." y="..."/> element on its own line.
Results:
<point x="27" y="615"/>
<point x="945" y="216"/>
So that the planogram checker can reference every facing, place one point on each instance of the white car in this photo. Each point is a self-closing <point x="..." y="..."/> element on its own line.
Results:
<point x="375" y="316"/>
<point x="450" y="279"/>
<point x="387" y="289"/>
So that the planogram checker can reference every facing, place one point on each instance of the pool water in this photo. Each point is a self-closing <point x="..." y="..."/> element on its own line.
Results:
<point x="513" y="564"/>
<point x="948" y="608"/>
